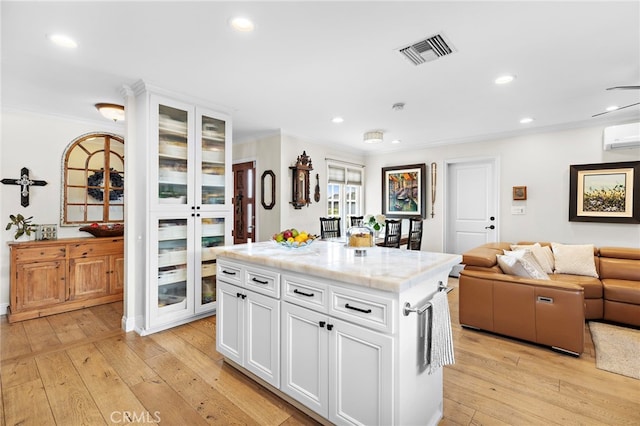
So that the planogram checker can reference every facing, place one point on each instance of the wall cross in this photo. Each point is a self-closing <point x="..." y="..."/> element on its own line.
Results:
<point x="24" y="182"/>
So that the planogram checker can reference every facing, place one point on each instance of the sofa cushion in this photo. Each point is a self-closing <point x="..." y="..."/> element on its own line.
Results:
<point x="622" y="291"/>
<point x="543" y="255"/>
<point x="574" y="259"/>
<point x="592" y="286"/>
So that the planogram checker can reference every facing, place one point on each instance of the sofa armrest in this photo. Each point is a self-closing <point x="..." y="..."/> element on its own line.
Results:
<point x="485" y="255"/>
<point x="551" y="284"/>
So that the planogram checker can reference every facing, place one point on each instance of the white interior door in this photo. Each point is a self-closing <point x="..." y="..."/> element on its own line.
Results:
<point x="471" y="204"/>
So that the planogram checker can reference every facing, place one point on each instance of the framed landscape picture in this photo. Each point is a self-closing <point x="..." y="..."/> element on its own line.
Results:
<point x="404" y="190"/>
<point x="605" y="192"/>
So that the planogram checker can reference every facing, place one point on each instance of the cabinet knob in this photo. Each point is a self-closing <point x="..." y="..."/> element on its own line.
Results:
<point x="329" y="327"/>
<point x="321" y="324"/>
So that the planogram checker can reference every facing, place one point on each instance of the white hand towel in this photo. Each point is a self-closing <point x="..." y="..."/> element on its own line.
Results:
<point x="440" y="333"/>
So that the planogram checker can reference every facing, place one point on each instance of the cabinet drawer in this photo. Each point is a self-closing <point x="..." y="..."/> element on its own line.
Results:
<point x="230" y="272"/>
<point x="310" y="294"/>
<point x="36" y="254"/>
<point x="96" y="247"/>
<point x="263" y="281"/>
<point x="369" y="310"/>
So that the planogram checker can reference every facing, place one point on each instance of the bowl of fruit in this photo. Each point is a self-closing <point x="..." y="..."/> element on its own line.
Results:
<point x="291" y="238"/>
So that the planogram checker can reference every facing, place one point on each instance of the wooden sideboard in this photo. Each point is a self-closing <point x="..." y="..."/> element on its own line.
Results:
<point x="53" y="276"/>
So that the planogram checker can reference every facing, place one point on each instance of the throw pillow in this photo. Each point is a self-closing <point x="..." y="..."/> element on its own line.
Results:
<point x="522" y="264"/>
<point x="574" y="259"/>
<point x="543" y="255"/>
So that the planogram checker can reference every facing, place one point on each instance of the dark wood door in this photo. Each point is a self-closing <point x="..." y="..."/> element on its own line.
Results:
<point x="244" y="207"/>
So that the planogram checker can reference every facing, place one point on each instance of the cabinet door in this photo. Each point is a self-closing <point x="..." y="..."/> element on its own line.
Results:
<point x="212" y="229"/>
<point x="88" y="277"/>
<point x="360" y="375"/>
<point x="116" y="274"/>
<point x="171" y="272"/>
<point x="262" y="337"/>
<point x="230" y="322"/>
<point x="213" y="159"/>
<point x="172" y="154"/>
<point x="39" y="284"/>
<point x="305" y="357"/>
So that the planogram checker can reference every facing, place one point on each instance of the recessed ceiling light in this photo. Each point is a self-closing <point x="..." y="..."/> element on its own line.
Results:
<point x="396" y="141"/>
<point x="612" y="108"/>
<point x="337" y="120"/>
<point x="504" y="79"/>
<point x="526" y="120"/>
<point x="62" y="41"/>
<point x="242" y="24"/>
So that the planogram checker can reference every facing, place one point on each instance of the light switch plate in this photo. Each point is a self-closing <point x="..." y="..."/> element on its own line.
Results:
<point x="518" y="210"/>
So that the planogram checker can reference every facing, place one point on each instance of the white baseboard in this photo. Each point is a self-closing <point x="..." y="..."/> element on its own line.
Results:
<point x="4" y="308"/>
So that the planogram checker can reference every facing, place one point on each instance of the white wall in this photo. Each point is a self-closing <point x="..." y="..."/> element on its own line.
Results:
<point x="266" y="153"/>
<point x="538" y="161"/>
<point x="37" y="142"/>
<point x="288" y="148"/>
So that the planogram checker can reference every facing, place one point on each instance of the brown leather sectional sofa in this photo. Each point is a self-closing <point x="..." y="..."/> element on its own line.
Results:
<point x="549" y="312"/>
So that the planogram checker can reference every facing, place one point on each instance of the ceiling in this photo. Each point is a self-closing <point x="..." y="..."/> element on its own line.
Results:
<point x="307" y="62"/>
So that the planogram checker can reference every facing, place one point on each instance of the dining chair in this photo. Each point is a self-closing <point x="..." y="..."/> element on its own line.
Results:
<point x="357" y="220"/>
<point x="415" y="233"/>
<point x="392" y="233"/>
<point x="329" y="227"/>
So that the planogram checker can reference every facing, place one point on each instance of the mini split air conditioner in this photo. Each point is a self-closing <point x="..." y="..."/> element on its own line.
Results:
<point x="623" y="136"/>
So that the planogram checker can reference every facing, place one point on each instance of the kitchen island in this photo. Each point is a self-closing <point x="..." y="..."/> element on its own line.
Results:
<point x="328" y="330"/>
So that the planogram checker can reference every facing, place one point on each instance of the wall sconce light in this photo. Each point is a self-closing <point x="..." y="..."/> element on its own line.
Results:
<point x="373" y="137"/>
<point x="111" y="111"/>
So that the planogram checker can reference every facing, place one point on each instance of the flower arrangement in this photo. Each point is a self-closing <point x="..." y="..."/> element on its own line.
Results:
<point x="375" y="222"/>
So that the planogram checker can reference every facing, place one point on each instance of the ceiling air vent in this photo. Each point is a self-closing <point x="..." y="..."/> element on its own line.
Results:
<point x="426" y="50"/>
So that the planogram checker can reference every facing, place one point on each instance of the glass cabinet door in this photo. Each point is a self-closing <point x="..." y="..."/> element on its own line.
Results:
<point x="173" y="155"/>
<point x="212" y="133"/>
<point x="171" y="292"/>
<point x="212" y="234"/>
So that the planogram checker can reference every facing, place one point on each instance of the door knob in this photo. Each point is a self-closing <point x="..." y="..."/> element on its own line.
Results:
<point x="490" y="227"/>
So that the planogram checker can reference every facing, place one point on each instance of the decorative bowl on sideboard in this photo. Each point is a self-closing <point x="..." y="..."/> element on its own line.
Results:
<point x="102" y="231"/>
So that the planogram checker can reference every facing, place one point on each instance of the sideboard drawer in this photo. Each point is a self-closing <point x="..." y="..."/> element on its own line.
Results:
<point x="230" y="272"/>
<point x="96" y="247"/>
<point x="37" y="254"/>
<point x="310" y="294"/>
<point x="263" y="281"/>
<point x="365" y="309"/>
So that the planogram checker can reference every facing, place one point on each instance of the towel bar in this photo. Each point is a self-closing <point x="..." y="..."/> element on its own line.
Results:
<point x="407" y="306"/>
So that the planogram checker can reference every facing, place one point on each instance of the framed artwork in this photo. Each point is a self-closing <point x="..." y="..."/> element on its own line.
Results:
<point x="404" y="191"/>
<point x="605" y="192"/>
<point x="519" y="192"/>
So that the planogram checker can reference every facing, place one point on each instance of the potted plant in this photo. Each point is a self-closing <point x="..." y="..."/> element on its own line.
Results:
<point x="23" y="225"/>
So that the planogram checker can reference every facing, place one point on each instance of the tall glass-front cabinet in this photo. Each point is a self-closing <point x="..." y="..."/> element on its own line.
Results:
<point x="189" y="199"/>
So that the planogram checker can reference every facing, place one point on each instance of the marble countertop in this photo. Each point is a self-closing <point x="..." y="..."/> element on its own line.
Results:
<point x="387" y="269"/>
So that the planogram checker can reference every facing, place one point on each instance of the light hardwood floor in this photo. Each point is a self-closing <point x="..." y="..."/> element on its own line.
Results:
<point x="79" y="368"/>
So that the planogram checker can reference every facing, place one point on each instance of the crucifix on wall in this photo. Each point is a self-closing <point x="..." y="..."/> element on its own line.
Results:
<point x="24" y="182"/>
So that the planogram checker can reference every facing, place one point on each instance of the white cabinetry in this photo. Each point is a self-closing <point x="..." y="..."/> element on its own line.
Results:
<point x="340" y="370"/>
<point x="248" y="322"/>
<point x="188" y="190"/>
<point x="348" y="352"/>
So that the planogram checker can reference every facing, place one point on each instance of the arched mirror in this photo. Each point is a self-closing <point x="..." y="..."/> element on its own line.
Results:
<point x="93" y="180"/>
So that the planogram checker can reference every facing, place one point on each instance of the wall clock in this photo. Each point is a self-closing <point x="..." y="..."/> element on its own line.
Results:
<point x="300" y="181"/>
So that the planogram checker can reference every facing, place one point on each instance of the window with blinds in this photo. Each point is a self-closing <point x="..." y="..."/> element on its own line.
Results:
<point x="344" y="191"/>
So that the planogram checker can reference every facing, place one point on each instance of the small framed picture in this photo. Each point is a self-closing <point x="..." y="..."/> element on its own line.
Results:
<point x="519" y="192"/>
